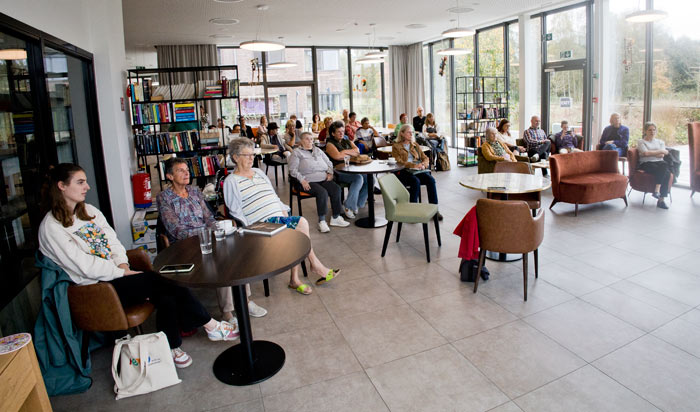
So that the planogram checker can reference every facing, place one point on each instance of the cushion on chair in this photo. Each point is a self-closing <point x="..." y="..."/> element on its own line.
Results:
<point x="592" y="187"/>
<point x="414" y="212"/>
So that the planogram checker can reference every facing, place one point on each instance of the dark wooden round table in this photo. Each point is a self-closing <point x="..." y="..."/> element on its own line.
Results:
<point x="369" y="169"/>
<point x="237" y="260"/>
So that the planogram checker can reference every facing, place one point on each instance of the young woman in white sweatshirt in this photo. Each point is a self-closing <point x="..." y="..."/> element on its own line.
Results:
<point x="77" y="237"/>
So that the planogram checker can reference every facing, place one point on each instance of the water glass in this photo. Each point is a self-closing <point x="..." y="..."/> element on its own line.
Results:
<point x="219" y="234"/>
<point x="347" y="161"/>
<point x="205" y="240"/>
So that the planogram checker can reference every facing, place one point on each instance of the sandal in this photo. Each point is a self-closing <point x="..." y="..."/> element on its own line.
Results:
<point x="332" y="274"/>
<point x="304" y="289"/>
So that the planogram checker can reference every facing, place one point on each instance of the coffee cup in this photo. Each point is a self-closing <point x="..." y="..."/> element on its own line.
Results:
<point x="391" y="160"/>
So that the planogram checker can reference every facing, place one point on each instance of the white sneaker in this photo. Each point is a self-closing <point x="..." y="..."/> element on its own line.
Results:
<point x="224" y="331"/>
<point x="181" y="358"/>
<point x="339" y="221"/>
<point x="535" y="157"/>
<point x="256" y="311"/>
<point x="349" y="214"/>
<point x="323" y="227"/>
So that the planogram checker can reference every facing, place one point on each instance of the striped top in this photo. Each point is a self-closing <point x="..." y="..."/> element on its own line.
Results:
<point x="259" y="201"/>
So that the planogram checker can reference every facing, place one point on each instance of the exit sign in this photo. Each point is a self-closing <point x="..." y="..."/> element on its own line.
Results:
<point x="566" y="54"/>
<point x="548" y="37"/>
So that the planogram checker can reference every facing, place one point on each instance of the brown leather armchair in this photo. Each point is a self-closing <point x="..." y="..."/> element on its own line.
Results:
<point x="497" y="233"/>
<point x="97" y="308"/>
<point x="534" y="200"/>
<point x="694" y="143"/>
<point x="641" y="180"/>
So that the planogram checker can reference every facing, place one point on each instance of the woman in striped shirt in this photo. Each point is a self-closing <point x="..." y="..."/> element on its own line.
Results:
<point x="250" y="198"/>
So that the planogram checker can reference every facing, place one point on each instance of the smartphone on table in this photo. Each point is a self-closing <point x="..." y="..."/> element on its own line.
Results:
<point x="179" y="268"/>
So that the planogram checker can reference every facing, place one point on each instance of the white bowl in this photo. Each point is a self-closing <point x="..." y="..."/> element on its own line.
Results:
<point x="230" y="230"/>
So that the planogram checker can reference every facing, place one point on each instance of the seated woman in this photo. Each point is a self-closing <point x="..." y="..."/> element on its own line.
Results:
<point x="250" y="198"/>
<point x="364" y="135"/>
<point x="651" y="160"/>
<point x="323" y="134"/>
<point x="272" y="141"/>
<point x="432" y="134"/>
<point x="316" y="123"/>
<point x="416" y="169"/>
<point x="314" y="171"/>
<point x="565" y="140"/>
<point x="337" y="147"/>
<point x="503" y="135"/>
<point x="183" y="211"/>
<point x="262" y="128"/>
<point x="495" y="151"/>
<point x="290" y="137"/>
<point x="77" y="237"/>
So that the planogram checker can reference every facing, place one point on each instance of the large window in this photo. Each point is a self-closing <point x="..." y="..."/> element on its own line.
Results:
<point x="333" y="82"/>
<point x="491" y="61"/>
<point x="676" y="76"/>
<point x="426" y="80"/>
<point x="514" y="77"/>
<point x="568" y="35"/>
<point x="442" y="85"/>
<point x="294" y="55"/>
<point x="464" y="64"/>
<point x="366" y="89"/>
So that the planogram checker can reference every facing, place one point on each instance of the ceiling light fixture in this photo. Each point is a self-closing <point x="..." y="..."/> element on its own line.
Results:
<point x="371" y="57"/>
<point x="261" y="45"/>
<point x="281" y="65"/>
<point x="646" y="16"/>
<point x="453" y="51"/>
<point x="375" y="54"/>
<point x="223" y="21"/>
<point x="369" y="60"/>
<point x="13" y="54"/>
<point x="458" y="31"/>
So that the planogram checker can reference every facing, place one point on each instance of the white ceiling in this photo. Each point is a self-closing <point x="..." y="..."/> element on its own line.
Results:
<point x="309" y="22"/>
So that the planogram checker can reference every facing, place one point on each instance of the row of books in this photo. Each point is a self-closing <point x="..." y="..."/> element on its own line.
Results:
<point x="477" y="127"/>
<point x="144" y="90"/>
<point x="145" y="113"/>
<point x="481" y="112"/>
<point x="230" y="87"/>
<point x="199" y="166"/>
<point x="167" y="142"/>
<point x="185" y="112"/>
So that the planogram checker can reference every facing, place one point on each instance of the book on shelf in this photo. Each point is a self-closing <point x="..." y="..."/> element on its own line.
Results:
<point x="166" y="142"/>
<point x="481" y="112"/>
<point x="145" y="113"/>
<point x="199" y="166"/>
<point x="263" y="228"/>
<point x="185" y="112"/>
<point x="229" y="87"/>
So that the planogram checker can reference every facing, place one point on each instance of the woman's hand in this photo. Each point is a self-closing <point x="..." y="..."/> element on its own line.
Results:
<point x="305" y="185"/>
<point x="128" y="271"/>
<point x="329" y="176"/>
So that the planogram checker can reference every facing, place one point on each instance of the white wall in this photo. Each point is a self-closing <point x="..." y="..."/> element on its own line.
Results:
<point x="144" y="56"/>
<point x="95" y="26"/>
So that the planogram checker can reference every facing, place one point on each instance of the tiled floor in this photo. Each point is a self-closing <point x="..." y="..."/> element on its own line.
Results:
<point x="612" y="323"/>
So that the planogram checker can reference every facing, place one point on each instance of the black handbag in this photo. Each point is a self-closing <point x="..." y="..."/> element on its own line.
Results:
<point x="468" y="268"/>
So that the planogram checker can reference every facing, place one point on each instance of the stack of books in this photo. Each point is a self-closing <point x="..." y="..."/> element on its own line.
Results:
<point x="152" y="113"/>
<point x="185" y="112"/>
<point x="162" y="143"/>
<point x="212" y="91"/>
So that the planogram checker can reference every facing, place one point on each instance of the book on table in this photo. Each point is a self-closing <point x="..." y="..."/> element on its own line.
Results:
<point x="264" y="228"/>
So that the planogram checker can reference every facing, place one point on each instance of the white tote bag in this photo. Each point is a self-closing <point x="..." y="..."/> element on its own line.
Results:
<point x="142" y="364"/>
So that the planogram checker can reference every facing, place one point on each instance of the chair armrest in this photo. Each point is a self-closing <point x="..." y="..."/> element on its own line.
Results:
<point x="96" y="307"/>
<point x="138" y="260"/>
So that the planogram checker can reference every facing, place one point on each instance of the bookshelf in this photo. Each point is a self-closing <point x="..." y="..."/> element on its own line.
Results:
<point x="482" y="101"/>
<point x="165" y="116"/>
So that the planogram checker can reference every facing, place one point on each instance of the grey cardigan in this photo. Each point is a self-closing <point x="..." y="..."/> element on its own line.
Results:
<point x="232" y="197"/>
<point x="310" y="166"/>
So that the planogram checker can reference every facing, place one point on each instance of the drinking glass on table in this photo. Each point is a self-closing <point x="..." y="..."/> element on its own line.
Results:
<point x="205" y="240"/>
<point x="347" y="161"/>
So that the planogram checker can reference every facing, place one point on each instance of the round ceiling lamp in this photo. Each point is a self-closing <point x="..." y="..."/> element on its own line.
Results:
<point x="369" y="60"/>
<point x="646" y="16"/>
<point x="458" y="32"/>
<point x="281" y="65"/>
<point x="453" y="51"/>
<point x="377" y="54"/>
<point x="13" y="54"/>
<point x="261" y="45"/>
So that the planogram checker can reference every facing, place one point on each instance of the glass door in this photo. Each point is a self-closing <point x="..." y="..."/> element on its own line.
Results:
<point x="566" y="100"/>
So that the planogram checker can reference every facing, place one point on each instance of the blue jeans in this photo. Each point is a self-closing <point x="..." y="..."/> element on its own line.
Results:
<point x="414" y="181"/>
<point x="357" y="193"/>
<point x="612" y="146"/>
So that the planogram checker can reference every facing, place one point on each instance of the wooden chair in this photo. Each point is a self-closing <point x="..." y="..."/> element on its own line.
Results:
<point x="97" y="308"/>
<point x="399" y="209"/>
<point x="507" y="227"/>
<point x="380" y="142"/>
<point x="295" y="189"/>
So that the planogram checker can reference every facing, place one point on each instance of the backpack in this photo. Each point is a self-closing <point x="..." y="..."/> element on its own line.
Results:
<point x="467" y="271"/>
<point x="442" y="162"/>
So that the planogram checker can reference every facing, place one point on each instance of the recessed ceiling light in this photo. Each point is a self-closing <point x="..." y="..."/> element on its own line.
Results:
<point x="228" y="1"/>
<point x="221" y="36"/>
<point x="460" y="10"/>
<point x="416" y="26"/>
<point x="220" y="20"/>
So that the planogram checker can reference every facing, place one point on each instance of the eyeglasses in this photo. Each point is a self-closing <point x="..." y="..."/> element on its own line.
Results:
<point x="248" y="155"/>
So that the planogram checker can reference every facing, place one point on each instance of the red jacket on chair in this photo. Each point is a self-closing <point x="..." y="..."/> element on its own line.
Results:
<point x="468" y="230"/>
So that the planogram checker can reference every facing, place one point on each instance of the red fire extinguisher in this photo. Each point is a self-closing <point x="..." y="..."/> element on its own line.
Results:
<point x="141" y="183"/>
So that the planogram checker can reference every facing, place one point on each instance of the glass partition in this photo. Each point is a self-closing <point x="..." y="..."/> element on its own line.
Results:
<point x="568" y="35"/>
<point x="442" y="85"/>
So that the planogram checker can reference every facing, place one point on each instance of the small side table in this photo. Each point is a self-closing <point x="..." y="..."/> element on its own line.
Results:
<point x="21" y="384"/>
<point x="624" y="162"/>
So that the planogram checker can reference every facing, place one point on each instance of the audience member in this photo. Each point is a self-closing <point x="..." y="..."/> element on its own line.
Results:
<point x="246" y="131"/>
<point x="323" y="134"/>
<point x="250" y="198"/>
<point x="565" y="140"/>
<point x="416" y="169"/>
<point x="298" y="127"/>
<point x="183" y="211"/>
<point x="651" y="160"/>
<point x="77" y="238"/>
<point x="271" y="141"/>
<point x="616" y="136"/>
<point x="431" y="133"/>
<point x="352" y="126"/>
<point x="290" y="134"/>
<point x="262" y="128"/>
<point x="402" y="121"/>
<point x="364" y="136"/>
<point x="314" y="171"/>
<point x="418" y="119"/>
<point x="538" y="146"/>
<point x="504" y="136"/>
<point x="316" y="123"/>
<point x="494" y="150"/>
<point x="338" y="147"/>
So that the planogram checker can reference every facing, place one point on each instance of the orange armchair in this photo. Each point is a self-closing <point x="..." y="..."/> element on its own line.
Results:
<point x="639" y="179"/>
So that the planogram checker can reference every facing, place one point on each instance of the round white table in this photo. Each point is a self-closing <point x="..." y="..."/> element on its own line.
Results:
<point x="387" y="149"/>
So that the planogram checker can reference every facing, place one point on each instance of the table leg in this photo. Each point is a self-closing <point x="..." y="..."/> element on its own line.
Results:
<point x="370" y="221"/>
<point x="250" y="361"/>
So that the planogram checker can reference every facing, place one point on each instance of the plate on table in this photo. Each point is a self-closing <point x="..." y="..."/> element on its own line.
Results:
<point x="15" y="342"/>
<point x="230" y="231"/>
